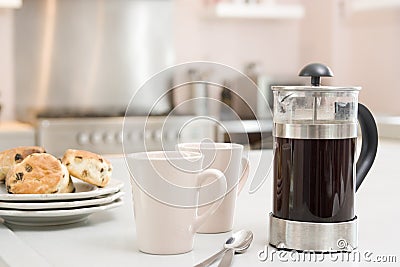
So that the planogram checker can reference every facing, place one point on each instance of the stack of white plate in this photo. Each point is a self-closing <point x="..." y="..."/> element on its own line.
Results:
<point x="57" y="209"/>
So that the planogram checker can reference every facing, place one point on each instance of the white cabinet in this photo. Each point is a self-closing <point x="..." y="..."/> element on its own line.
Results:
<point x="10" y="3"/>
<point x="257" y="10"/>
<point x="368" y="5"/>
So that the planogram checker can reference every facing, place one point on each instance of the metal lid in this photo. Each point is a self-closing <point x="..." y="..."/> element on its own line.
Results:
<point x="316" y="71"/>
<point x="324" y="89"/>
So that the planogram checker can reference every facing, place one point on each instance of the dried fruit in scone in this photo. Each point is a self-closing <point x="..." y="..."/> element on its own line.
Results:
<point x="39" y="174"/>
<point x="88" y="166"/>
<point x="10" y="157"/>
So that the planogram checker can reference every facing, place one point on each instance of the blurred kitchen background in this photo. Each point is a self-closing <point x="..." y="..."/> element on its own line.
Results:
<point x="69" y="67"/>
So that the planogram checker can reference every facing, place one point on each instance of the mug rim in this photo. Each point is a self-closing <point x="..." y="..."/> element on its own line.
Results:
<point x="215" y="146"/>
<point x="166" y="155"/>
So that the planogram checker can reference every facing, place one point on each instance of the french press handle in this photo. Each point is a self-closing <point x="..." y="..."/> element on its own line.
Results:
<point x="369" y="144"/>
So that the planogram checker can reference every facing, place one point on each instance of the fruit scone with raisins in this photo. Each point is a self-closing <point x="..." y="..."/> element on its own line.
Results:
<point x="88" y="167"/>
<point x="10" y="157"/>
<point x="39" y="174"/>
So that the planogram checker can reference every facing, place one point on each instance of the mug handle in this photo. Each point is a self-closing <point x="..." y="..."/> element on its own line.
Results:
<point x="221" y="180"/>
<point x="245" y="174"/>
<point x="369" y="144"/>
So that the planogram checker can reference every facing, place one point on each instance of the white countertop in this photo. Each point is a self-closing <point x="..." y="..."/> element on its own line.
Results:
<point x="108" y="238"/>
<point x="13" y="134"/>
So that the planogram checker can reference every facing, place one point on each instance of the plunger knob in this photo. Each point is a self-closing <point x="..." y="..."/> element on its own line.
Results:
<point x="316" y="71"/>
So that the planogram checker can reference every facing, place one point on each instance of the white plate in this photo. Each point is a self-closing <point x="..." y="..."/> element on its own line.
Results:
<point x="61" y="204"/>
<point x="82" y="191"/>
<point x="53" y="217"/>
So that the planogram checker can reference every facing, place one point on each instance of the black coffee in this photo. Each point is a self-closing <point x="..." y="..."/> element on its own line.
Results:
<point x="314" y="179"/>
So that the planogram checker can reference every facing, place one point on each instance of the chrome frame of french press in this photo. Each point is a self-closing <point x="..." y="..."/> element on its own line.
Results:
<point x="311" y="236"/>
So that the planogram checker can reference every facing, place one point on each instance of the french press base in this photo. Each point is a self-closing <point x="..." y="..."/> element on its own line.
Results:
<point x="316" y="174"/>
<point x="311" y="236"/>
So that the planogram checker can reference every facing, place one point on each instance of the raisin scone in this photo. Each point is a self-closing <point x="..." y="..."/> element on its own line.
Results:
<point x="66" y="186"/>
<point x="88" y="166"/>
<point x="39" y="174"/>
<point x="10" y="157"/>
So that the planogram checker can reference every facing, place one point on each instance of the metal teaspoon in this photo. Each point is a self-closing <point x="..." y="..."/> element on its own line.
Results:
<point x="239" y="242"/>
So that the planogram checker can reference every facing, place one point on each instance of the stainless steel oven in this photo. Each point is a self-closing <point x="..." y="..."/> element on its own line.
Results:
<point x="105" y="135"/>
<point x="77" y="64"/>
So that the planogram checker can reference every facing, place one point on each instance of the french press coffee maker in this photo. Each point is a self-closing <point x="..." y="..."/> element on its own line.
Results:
<point x="315" y="173"/>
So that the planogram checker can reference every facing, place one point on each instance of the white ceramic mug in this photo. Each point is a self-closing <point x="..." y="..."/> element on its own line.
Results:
<point x="166" y="188"/>
<point x="228" y="158"/>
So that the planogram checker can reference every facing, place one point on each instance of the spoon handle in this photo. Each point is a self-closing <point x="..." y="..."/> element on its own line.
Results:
<point x="211" y="259"/>
<point x="227" y="258"/>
